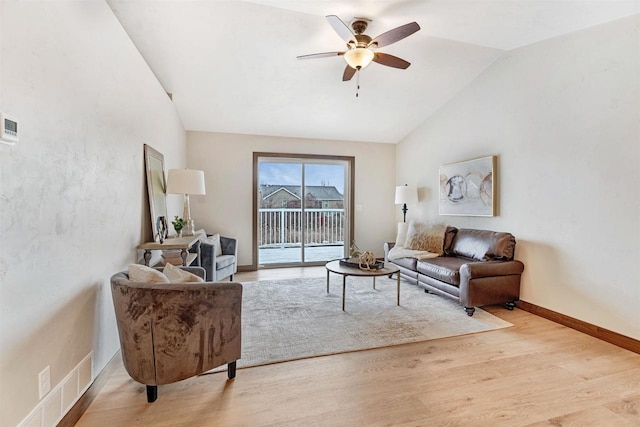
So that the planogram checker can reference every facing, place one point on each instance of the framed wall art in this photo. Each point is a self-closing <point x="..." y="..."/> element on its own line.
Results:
<point x="468" y="188"/>
<point x="156" y="187"/>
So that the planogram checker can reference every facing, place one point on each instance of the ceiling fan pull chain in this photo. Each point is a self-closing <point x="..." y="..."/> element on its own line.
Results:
<point x="357" y="81"/>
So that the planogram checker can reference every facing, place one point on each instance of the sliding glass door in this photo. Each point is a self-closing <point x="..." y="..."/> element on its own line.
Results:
<point x="279" y="212"/>
<point x="302" y="209"/>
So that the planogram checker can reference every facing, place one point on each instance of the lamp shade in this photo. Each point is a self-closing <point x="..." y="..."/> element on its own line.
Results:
<point x="359" y="57"/>
<point x="185" y="181"/>
<point x="406" y="194"/>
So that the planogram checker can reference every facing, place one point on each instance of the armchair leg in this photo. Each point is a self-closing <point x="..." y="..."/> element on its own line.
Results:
<point x="469" y="310"/>
<point x="231" y="370"/>
<point x="152" y="393"/>
<point x="231" y="278"/>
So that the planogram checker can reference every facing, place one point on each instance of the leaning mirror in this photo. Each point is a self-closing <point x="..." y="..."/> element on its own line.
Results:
<point x="156" y="186"/>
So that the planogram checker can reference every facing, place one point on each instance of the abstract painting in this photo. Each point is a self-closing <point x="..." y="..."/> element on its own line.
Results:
<point x="468" y="188"/>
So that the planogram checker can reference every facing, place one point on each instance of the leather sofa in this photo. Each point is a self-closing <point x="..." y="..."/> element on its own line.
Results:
<point x="477" y="268"/>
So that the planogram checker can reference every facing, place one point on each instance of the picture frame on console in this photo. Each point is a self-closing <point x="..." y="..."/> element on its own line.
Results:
<point x="156" y="188"/>
<point x="468" y="188"/>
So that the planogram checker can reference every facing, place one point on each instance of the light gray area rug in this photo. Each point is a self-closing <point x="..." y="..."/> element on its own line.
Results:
<point x="296" y="318"/>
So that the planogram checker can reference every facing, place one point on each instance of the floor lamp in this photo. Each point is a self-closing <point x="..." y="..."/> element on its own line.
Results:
<point x="406" y="194"/>
<point x="187" y="182"/>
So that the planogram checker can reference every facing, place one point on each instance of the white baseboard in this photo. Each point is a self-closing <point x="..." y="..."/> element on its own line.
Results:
<point x="62" y="397"/>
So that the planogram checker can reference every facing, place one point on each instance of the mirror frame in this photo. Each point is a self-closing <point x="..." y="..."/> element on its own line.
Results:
<point x="157" y="190"/>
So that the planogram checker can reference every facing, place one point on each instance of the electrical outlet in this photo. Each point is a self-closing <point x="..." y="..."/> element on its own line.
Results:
<point x="44" y="382"/>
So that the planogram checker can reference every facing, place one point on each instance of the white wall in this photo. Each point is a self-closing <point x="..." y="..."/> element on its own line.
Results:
<point x="563" y="117"/>
<point x="227" y="160"/>
<point x="72" y="191"/>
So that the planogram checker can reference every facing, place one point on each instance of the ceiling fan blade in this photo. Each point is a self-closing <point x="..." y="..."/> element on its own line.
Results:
<point x="320" y="55"/>
<point x="340" y="27"/>
<point x="395" y="35"/>
<point x="390" y="60"/>
<point x="348" y="73"/>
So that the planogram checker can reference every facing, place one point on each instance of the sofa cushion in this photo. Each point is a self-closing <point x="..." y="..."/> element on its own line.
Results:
<point x="483" y="245"/>
<point x="408" y="263"/>
<point x="223" y="261"/>
<point x="446" y="269"/>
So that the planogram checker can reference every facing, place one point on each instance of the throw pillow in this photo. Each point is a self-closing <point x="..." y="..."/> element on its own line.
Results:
<point x="430" y="239"/>
<point x="413" y="229"/>
<point x="449" y="235"/>
<point x="178" y="275"/>
<point x="401" y="236"/>
<point x="142" y="273"/>
<point x="215" y="241"/>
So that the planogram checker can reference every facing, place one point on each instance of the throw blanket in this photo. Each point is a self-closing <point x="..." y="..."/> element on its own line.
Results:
<point x="397" y="252"/>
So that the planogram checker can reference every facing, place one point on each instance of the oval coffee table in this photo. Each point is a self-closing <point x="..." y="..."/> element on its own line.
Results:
<point x="337" y="268"/>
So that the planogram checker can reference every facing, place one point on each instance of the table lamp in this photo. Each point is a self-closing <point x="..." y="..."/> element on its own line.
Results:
<point x="187" y="182"/>
<point x="406" y="194"/>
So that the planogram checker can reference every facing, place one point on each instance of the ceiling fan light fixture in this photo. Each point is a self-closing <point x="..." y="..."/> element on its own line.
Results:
<point x="359" y="57"/>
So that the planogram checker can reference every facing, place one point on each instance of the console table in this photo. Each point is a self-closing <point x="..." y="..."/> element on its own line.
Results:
<point x="183" y="243"/>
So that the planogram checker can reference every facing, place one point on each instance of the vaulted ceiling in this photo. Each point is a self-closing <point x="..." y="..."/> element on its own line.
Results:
<point x="231" y="65"/>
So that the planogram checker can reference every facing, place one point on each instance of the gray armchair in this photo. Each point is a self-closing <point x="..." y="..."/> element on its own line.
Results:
<point x="173" y="331"/>
<point x="220" y="266"/>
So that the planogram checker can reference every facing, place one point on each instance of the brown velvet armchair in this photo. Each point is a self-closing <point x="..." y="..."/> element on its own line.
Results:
<point x="173" y="331"/>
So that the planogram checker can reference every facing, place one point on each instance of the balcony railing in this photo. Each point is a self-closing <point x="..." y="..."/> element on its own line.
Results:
<point x="283" y="227"/>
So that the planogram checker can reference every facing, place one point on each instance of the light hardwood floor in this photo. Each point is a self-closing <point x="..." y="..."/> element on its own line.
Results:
<point x="536" y="373"/>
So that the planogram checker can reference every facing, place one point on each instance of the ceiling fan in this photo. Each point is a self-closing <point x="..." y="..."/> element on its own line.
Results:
<point x="360" y="46"/>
